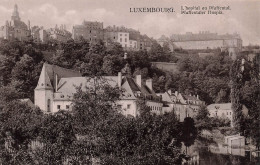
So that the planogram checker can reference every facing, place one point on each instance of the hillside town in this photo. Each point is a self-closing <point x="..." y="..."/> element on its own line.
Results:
<point x="111" y="95"/>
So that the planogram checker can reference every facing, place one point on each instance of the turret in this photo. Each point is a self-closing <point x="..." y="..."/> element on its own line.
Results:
<point x="15" y="15"/>
<point x="43" y="93"/>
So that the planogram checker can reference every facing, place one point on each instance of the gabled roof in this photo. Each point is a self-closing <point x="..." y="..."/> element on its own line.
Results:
<point x="188" y="97"/>
<point x="48" y="75"/>
<point x="67" y="86"/>
<point x="165" y="97"/>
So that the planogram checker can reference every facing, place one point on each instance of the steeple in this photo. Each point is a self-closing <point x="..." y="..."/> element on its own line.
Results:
<point x="15" y="15"/>
<point x="44" y="80"/>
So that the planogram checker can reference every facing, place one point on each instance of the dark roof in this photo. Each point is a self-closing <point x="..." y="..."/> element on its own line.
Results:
<point x="61" y="72"/>
<point x="132" y="84"/>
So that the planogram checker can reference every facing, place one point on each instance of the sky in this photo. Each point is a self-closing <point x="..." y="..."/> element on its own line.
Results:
<point x="243" y="18"/>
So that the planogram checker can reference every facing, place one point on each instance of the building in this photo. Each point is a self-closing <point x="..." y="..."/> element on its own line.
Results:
<point x="15" y="29"/>
<point x="206" y="40"/>
<point x="56" y="87"/>
<point x="90" y="31"/>
<point x="120" y="35"/>
<point x="133" y="45"/>
<point x="39" y="34"/>
<point x="129" y="38"/>
<point x="59" y="34"/>
<point x="165" y="40"/>
<point x="224" y="110"/>
<point x="145" y="43"/>
<point x="235" y="141"/>
<point x="183" y="105"/>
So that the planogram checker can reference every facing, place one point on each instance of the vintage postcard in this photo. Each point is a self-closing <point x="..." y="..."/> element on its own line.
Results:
<point x="130" y="82"/>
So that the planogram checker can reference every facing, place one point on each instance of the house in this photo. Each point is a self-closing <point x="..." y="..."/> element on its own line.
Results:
<point x="224" y="110"/>
<point x="56" y="87"/>
<point x="235" y="141"/>
<point x="183" y="105"/>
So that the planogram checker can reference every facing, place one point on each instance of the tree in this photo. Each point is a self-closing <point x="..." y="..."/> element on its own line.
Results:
<point x="25" y="75"/>
<point x="189" y="132"/>
<point x="202" y="120"/>
<point x="236" y="76"/>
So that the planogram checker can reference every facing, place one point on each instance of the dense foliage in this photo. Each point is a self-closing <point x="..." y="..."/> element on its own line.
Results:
<point x="95" y="131"/>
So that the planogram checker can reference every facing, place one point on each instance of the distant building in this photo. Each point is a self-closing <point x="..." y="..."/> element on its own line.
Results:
<point x="56" y="87"/>
<point x="165" y="40"/>
<point x="90" y="31"/>
<point x="183" y="105"/>
<point x="60" y="34"/>
<point x="145" y="43"/>
<point x="39" y="34"/>
<point x="224" y="110"/>
<point x="129" y="38"/>
<point x="235" y="141"/>
<point x="206" y="40"/>
<point x="15" y="29"/>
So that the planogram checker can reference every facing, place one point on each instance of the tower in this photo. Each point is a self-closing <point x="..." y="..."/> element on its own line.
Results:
<point x="43" y="93"/>
<point x="15" y="15"/>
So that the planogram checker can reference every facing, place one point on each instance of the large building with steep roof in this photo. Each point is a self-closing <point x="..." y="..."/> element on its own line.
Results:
<point x="57" y="86"/>
<point x="15" y="29"/>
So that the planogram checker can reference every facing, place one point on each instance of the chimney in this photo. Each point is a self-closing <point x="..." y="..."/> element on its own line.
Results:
<point x="149" y="83"/>
<point x="176" y="93"/>
<point x="119" y="80"/>
<point x="170" y="91"/>
<point x="138" y="79"/>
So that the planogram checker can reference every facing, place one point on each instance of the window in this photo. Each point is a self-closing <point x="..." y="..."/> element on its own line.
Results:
<point x="125" y="34"/>
<point x="125" y="39"/>
<point x="58" y="106"/>
<point x="227" y="113"/>
<point x="128" y="106"/>
<point x="230" y="113"/>
<point x="90" y="31"/>
<point x="67" y="106"/>
<point x="114" y="38"/>
<point x="120" y="39"/>
<point x="120" y="34"/>
<point x="125" y="45"/>
<point x="48" y="105"/>
<point x="119" y="106"/>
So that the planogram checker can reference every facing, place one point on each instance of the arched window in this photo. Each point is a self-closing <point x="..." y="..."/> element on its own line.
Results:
<point x="48" y="105"/>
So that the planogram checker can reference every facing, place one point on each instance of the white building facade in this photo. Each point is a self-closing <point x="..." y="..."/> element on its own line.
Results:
<point x="57" y="86"/>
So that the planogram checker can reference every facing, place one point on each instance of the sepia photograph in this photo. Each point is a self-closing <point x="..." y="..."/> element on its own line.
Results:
<point x="129" y="82"/>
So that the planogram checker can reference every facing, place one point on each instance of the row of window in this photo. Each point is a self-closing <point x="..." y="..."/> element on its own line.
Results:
<point x="122" y="39"/>
<point x="122" y="34"/>
<point x="155" y="108"/>
<point x="230" y="113"/>
<point x="59" y="107"/>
